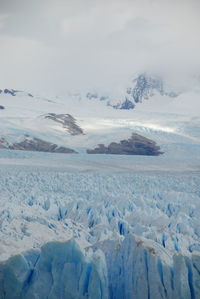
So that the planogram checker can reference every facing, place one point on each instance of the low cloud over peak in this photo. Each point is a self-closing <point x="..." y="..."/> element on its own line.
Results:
<point x="65" y="45"/>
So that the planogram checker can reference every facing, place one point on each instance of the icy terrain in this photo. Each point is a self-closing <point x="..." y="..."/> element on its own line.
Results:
<point x="136" y="220"/>
<point x="100" y="226"/>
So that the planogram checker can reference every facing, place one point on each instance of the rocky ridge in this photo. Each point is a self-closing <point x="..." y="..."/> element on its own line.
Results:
<point x="67" y="121"/>
<point x="143" y="87"/>
<point x="35" y="144"/>
<point x="135" y="145"/>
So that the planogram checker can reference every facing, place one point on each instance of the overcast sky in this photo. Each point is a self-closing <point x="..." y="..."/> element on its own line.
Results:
<point x="60" y="45"/>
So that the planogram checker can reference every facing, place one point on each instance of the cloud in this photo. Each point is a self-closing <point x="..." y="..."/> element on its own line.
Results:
<point x="64" y="45"/>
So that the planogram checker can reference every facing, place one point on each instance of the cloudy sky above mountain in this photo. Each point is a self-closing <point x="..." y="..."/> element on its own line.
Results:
<point x="60" y="45"/>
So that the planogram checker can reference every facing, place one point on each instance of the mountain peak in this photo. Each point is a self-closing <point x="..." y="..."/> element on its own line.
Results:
<point x="145" y="86"/>
<point x="142" y="87"/>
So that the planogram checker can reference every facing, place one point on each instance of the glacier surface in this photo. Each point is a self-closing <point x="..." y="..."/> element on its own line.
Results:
<point x="99" y="227"/>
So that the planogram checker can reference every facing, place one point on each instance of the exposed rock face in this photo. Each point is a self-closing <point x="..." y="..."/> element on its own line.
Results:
<point x="3" y="143"/>
<point x="13" y="92"/>
<point x="10" y="91"/>
<point x="2" y="107"/>
<point x="135" y="145"/>
<point x="145" y="86"/>
<point x="127" y="104"/>
<point x="35" y="144"/>
<point x="91" y="96"/>
<point x="68" y="122"/>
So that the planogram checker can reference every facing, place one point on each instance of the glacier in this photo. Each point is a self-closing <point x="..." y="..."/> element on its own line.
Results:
<point x="99" y="227"/>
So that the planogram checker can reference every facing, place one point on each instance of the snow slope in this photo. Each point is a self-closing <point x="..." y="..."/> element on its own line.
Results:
<point x="165" y="120"/>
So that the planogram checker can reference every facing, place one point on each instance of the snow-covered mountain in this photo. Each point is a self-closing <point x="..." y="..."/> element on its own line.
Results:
<point x="75" y="121"/>
<point x="143" y="87"/>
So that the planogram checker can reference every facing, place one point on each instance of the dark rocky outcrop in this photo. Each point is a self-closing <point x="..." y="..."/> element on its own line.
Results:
<point x="127" y="104"/>
<point x="68" y="122"/>
<point x="13" y="92"/>
<point x="2" y="107"/>
<point x="135" y="145"/>
<point x="3" y="143"/>
<point x="145" y="86"/>
<point x="35" y="144"/>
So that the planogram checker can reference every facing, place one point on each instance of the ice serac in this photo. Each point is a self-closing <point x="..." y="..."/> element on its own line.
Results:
<point x="139" y="268"/>
<point x="58" y="270"/>
<point x="146" y="223"/>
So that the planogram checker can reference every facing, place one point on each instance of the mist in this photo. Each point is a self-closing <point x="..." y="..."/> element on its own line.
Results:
<point x="57" y="46"/>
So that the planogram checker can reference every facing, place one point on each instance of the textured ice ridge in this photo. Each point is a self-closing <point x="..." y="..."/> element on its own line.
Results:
<point x="57" y="271"/>
<point x="139" y="268"/>
<point x="92" y="207"/>
<point x="134" y="268"/>
<point x="139" y="234"/>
